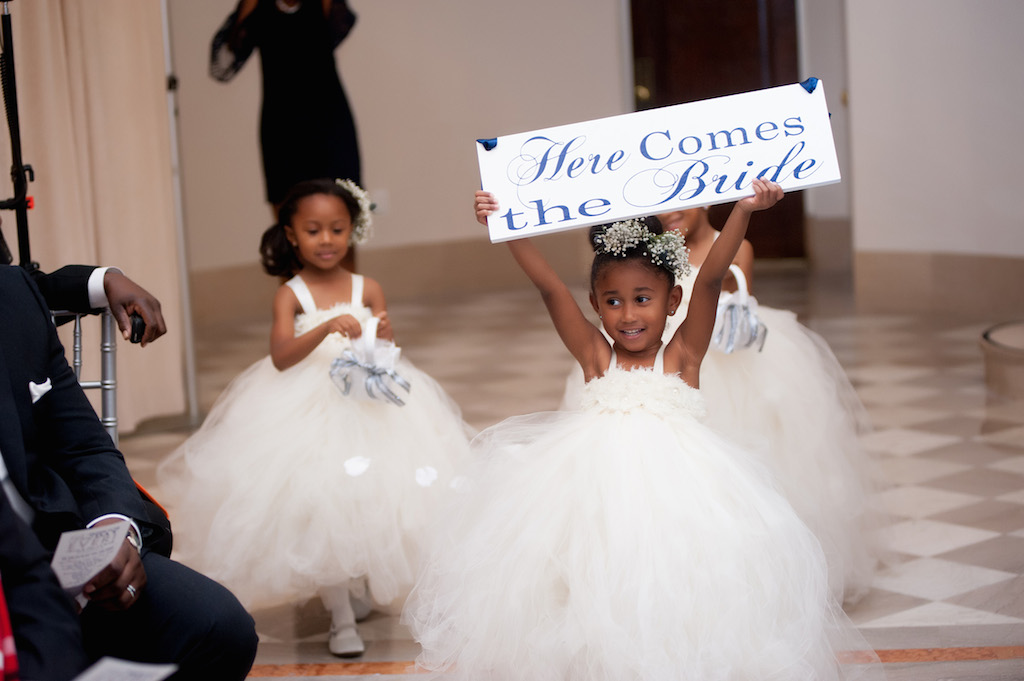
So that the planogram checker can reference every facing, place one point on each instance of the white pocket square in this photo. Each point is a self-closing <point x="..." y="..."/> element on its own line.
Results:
<point x="39" y="389"/>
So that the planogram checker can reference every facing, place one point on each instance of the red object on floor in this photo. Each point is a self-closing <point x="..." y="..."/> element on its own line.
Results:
<point x="8" y="655"/>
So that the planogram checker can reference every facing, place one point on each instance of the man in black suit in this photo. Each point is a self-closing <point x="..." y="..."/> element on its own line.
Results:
<point x="61" y="463"/>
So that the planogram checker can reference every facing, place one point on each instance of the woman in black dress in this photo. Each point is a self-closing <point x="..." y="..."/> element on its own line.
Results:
<point x="306" y="127"/>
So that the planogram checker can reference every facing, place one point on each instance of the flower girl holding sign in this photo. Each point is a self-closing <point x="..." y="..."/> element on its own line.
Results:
<point x="786" y="396"/>
<point x="322" y="464"/>
<point x="626" y="539"/>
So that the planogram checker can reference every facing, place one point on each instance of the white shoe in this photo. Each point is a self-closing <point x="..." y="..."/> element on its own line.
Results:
<point x="345" y="642"/>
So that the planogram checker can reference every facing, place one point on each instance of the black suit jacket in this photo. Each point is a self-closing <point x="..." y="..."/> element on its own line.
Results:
<point x="57" y="453"/>
<point x="66" y="288"/>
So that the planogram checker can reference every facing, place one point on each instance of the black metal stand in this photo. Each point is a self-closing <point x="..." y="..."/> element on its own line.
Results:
<point x="21" y="174"/>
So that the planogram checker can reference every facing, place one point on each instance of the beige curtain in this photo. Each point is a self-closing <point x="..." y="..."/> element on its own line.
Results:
<point x="94" y="124"/>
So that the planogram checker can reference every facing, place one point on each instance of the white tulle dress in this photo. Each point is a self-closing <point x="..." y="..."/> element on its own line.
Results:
<point x="625" y="541"/>
<point x="290" y="486"/>
<point x="793" y="405"/>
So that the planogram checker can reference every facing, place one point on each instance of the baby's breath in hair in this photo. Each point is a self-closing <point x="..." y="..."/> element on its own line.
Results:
<point x="362" y="226"/>
<point x="664" y="250"/>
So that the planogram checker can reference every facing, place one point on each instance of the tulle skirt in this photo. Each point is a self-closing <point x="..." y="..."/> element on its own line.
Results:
<point x="290" y="486"/>
<point x="792" y="404"/>
<point x="625" y="546"/>
<point x="795" y="398"/>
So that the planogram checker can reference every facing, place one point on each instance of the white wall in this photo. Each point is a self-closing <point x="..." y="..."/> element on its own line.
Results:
<point x="425" y="79"/>
<point x="937" y="98"/>
<point x="821" y="33"/>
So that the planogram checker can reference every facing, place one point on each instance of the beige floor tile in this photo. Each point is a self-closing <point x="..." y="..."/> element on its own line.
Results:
<point x="913" y="501"/>
<point x="940" y="614"/>
<point x="916" y="470"/>
<point x="922" y="537"/>
<point x="937" y="579"/>
<point x="905" y="441"/>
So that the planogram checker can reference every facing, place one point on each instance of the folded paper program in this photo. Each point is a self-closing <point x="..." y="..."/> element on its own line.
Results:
<point x="367" y="369"/>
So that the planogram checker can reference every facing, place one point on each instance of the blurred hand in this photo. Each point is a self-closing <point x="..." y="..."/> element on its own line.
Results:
<point x="346" y="325"/>
<point x="484" y="204"/>
<point x="384" y="329"/>
<point x="125" y="297"/>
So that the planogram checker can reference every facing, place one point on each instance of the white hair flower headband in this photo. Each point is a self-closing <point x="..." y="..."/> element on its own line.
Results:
<point x="362" y="226"/>
<point x="665" y="250"/>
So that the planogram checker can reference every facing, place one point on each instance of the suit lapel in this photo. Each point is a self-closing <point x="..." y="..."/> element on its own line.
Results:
<point x="14" y="312"/>
<point x="12" y="445"/>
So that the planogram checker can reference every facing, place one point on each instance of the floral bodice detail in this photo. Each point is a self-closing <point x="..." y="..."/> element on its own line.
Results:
<point x="312" y="316"/>
<point x="648" y="390"/>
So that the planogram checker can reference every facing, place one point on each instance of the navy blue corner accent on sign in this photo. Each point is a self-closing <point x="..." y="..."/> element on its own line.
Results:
<point x="488" y="144"/>
<point x="810" y="84"/>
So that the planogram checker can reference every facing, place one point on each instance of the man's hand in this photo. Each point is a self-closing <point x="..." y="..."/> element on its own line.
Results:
<point x="109" y="589"/>
<point x="125" y="297"/>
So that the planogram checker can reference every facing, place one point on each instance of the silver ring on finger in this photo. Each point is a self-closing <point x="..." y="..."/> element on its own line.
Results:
<point x="131" y="590"/>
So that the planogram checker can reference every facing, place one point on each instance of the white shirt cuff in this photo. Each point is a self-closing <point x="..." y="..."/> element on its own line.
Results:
<point x="119" y="517"/>
<point x="97" y="294"/>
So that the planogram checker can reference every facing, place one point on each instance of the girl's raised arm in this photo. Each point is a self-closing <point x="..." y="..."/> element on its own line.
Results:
<point x="578" y="335"/>
<point x="695" y="331"/>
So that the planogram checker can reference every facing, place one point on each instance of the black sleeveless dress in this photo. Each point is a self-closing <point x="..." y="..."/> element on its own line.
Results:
<point x="306" y="126"/>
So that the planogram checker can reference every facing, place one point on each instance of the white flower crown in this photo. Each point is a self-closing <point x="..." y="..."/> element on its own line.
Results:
<point x="362" y="226"/>
<point x="665" y="250"/>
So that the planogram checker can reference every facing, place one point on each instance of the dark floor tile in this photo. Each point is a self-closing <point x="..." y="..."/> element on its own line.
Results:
<point x="958" y="401"/>
<point x="1006" y="598"/>
<point x="992" y="515"/>
<point x="1004" y="553"/>
<point x="977" y="453"/>
<point x="878" y="603"/>
<point x="982" y="481"/>
<point x="966" y="426"/>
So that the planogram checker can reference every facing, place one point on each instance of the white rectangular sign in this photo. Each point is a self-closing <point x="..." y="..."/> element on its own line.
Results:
<point x="658" y="160"/>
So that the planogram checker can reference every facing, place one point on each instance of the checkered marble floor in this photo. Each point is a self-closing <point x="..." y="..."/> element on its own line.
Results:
<point x="949" y="603"/>
<point x="955" y="464"/>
